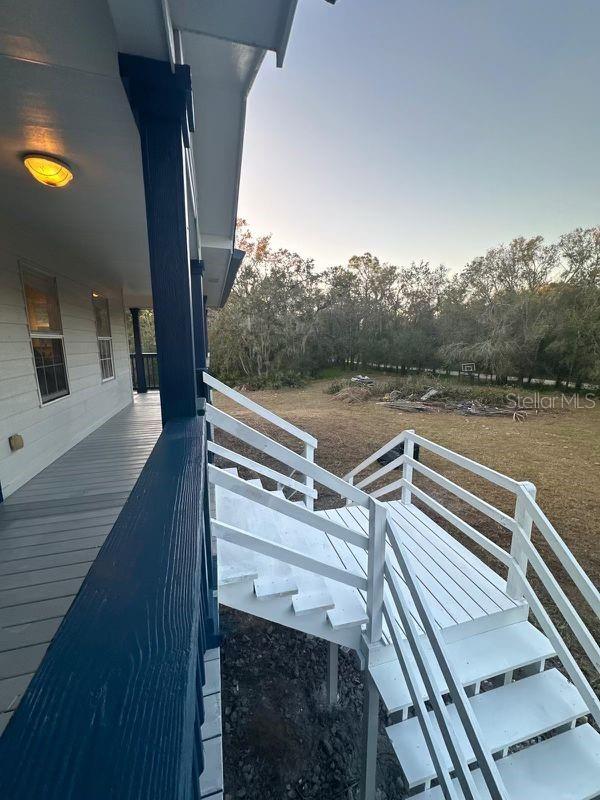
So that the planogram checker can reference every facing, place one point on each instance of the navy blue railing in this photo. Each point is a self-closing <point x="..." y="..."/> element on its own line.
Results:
<point x="150" y="361"/>
<point x="115" y="709"/>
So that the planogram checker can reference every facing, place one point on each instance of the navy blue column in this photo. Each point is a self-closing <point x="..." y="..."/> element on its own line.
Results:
<point x="161" y="102"/>
<point x="140" y="372"/>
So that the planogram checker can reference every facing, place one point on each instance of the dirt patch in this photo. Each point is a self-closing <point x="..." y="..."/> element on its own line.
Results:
<point x="281" y="738"/>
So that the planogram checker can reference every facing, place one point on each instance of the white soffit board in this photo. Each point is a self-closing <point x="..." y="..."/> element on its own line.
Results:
<point x="222" y="73"/>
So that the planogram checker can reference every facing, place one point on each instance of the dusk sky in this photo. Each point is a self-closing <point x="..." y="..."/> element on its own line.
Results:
<point x="426" y="129"/>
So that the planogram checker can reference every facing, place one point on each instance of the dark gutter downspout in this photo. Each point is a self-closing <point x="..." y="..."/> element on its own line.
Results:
<point x="235" y="261"/>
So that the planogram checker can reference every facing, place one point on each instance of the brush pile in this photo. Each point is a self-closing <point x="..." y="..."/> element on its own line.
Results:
<point x="433" y="402"/>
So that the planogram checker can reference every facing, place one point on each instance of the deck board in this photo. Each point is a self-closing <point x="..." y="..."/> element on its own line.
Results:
<point x="51" y="531"/>
<point x="459" y="587"/>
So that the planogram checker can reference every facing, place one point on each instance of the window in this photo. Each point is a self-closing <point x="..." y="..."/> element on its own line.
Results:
<point x="107" y="368"/>
<point x="45" y="330"/>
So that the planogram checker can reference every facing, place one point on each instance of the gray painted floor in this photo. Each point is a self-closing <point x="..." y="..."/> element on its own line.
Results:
<point x="51" y="530"/>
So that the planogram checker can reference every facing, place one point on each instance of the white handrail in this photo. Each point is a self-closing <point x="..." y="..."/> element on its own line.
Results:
<point x="476" y="502"/>
<point x="397" y="462"/>
<point x="220" y="419"/>
<point x="563" y="652"/>
<point x="300" y="513"/>
<point x="464" y="527"/>
<point x="383" y="449"/>
<point x="279" y="477"/>
<point x="564" y="555"/>
<point x="431" y="734"/>
<point x="229" y="533"/>
<point x="510" y="484"/>
<point x="487" y="765"/>
<point x="263" y="412"/>
<point x="564" y="605"/>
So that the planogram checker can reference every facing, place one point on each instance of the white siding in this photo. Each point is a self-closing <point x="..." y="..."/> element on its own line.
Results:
<point x="50" y="430"/>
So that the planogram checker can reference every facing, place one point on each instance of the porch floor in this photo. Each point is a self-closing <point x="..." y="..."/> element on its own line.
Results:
<point x="50" y="533"/>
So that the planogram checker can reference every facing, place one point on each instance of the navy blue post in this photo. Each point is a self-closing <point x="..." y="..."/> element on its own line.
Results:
<point x="140" y="372"/>
<point x="161" y="102"/>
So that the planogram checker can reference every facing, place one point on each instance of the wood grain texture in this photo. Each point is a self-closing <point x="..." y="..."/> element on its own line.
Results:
<point x="112" y="710"/>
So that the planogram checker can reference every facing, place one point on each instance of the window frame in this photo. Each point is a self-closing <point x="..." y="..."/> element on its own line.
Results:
<point x="95" y="297"/>
<point x="24" y="269"/>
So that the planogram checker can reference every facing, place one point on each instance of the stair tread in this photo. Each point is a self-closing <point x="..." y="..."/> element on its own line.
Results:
<point x="507" y="715"/>
<point x="275" y="586"/>
<point x="565" y="767"/>
<point x="349" y="611"/>
<point x="234" y="573"/>
<point x="308" y="602"/>
<point x="475" y="658"/>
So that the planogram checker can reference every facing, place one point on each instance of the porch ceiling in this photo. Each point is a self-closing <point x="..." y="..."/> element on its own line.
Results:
<point x="61" y="93"/>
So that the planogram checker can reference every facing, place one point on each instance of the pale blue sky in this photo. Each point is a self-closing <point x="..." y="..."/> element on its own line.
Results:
<point x="426" y="129"/>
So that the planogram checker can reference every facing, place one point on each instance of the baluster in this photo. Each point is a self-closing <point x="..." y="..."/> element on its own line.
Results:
<point x="377" y="531"/>
<point x="309" y="455"/>
<point x="407" y="470"/>
<point x="514" y="587"/>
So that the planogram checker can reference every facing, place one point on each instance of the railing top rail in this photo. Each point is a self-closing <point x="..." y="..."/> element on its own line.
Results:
<point x="285" y="506"/>
<point x="263" y="412"/>
<point x="279" y="477"/>
<point x="431" y="733"/>
<point x="288" y="555"/>
<point x="468" y="497"/>
<point x="465" y="712"/>
<point x="119" y="683"/>
<point x="562" y="552"/>
<point x="282" y="453"/>
<point x="383" y="449"/>
<point x="510" y="484"/>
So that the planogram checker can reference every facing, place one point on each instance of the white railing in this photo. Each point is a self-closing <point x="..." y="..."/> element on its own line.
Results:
<point x="522" y="550"/>
<point x="435" y="695"/>
<point x="378" y="574"/>
<point x="309" y="442"/>
<point x="379" y="571"/>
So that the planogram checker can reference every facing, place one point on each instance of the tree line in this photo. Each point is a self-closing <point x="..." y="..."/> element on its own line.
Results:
<point x="524" y="309"/>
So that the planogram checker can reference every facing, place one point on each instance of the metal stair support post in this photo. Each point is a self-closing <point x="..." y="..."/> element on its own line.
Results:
<point x="309" y="455"/>
<point x="514" y="584"/>
<point x="375" y="574"/>
<point x="332" y="673"/>
<point x="375" y="581"/>
<point x="407" y="470"/>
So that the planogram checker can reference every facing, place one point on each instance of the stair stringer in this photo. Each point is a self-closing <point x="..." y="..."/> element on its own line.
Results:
<point x="280" y="610"/>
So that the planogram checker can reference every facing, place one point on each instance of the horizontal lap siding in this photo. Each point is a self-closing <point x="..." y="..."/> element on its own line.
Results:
<point x="49" y="431"/>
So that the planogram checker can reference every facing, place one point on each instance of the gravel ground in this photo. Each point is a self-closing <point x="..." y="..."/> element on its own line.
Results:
<point x="280" y="737"/>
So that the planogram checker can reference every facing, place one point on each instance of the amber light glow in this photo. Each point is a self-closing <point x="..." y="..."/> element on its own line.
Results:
<point x="47" y="170"/>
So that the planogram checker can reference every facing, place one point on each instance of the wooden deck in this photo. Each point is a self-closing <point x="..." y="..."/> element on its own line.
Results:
<point x="464" y="595"/>
<point x="51" y="531"/>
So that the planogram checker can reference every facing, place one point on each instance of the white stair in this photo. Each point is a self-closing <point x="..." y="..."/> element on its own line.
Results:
<point x="275" y="586"/>
<point x="312" y="601"/>
<point x="483" y="621"/>
<point x="564" y="767"/>
<point x="508" y="715"/>
<point x="312" y="596"/>
<point x="476" y="658"/>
